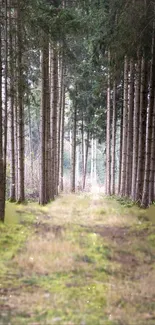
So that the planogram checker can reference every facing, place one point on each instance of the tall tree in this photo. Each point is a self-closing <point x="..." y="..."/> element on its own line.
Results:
<point x="149" y="128"/>
<point x="2" y="197"/>
<point x="5" y="90"/>
<point x="142" y="129"/>
<point x="62" y="135"/>
<point x="125" y="128"/>
<point x="113" y="162"/>
<point x="12" y="107"/>
<point x="130" y="131"/>
<point x="74" y="130"/>
<point x="136" y="128"/>
<point x="21" y="197"/>
<point x="43" y="130"/>
<point x="108" y="133"/>
<point x="54" y="168"/>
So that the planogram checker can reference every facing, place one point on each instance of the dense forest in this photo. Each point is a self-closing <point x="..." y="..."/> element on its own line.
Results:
<point x="77" y="99"/>
<point x="77" y="162"/>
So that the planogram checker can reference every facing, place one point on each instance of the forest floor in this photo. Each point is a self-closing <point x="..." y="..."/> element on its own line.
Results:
<point x="82" y="260"/>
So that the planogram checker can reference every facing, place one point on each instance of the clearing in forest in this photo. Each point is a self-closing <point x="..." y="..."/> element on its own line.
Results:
<point x="82" y="260"/>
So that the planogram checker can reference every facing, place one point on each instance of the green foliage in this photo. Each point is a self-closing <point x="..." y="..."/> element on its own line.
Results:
<point x="126" y="202"/>
<point x="12" y="239"/>
<point x="151" y="239"/>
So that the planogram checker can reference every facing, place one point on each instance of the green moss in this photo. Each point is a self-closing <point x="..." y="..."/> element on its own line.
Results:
<point x="151" y="239"/>
<point x="16" y="214"/>
<point x="12" y="238"/>
<point x="100" y="212"/>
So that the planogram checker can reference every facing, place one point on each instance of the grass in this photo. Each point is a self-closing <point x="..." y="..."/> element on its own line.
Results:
<point x="81" y="260"/>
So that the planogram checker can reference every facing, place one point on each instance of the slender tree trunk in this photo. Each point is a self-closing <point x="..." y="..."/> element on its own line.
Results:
<point x="51" y="110"/>
<point x="86" y="160"/>
<point x="20" y="105"/>
<point x="54" y="123"/>
<point x="6" y="95"/>
<point x="16" y="110"/>
<point x="152" y="161"/>
<point x="61" y="72"/>
<point x="136" y="129"/>
<point x="47" y="123"/>
<point x="73" y="185"/>
<point x="120" y="150"/>
<point x="42" y="196"/>
<point x="30" y="148"/>
<point x="77" y="174"/>
<point x="2" y="198"/>
<point x="12" y="124"/>
<point x="95" y="161"/>
<point x="82" y="148"/>
<point x="142" y="129"/>
<point x="108" y="137"/>
<point x="130" y="131"/>
<point x="125" y="128"/>
<point x="16" y="144"/>
<point x="149" y="127"/>
<point x="92" y="161"/>
<point x="113" y="162"/>
<point x="62" y="139"/>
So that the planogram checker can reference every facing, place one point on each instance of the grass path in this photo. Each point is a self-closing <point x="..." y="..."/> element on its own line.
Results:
<point x="82" y="260"/>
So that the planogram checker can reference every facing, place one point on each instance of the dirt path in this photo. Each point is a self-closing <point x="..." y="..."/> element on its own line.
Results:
<point x="83" y="260"/>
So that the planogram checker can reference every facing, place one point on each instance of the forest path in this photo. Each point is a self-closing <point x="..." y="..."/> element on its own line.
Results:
<point x="82" y="260"/>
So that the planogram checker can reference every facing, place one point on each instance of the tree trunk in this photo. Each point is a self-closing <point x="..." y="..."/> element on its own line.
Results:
<point x="30" y="140"/>
<point x="6" y="95"/>
<point x="73" y="185"/>
<point x="86" y="160"/>
<point x="113" y="161"/>
<point x="16" y="118"/>
<point x="120" y="150"/>
<point x="108" y="137"/>
<point x="62" y="139"/>
<point x="47" y="122"/>
<point x="77" y="174"/>
<point x="12" y="107"/>
<point x="125" y="128"/>
<point x="130" y="131"/>
<point x="54" y="124"/>
<point x="61" y="77"/>
<point x="152" y="161"/>
<point x="20" y="105"/>
<point x="92" y="161"/>
<point x="136" y="128"/>
<point x="95" y="161"/>
<point x="44" y="53"/>
<point x="149" y="126"/>
<point x="2" y="197"/>
<point x="82" y="149"/>
<point x="142" y="129"/>
<point x="16" y="145"/>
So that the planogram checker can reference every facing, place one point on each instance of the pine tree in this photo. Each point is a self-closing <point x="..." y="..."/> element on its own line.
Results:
<point x="2" y="197"/>
<point x="21" y="197"/>
<point x="108" y="135"/>
<point x="43" y="127"/>
<point x="125" y="128"/>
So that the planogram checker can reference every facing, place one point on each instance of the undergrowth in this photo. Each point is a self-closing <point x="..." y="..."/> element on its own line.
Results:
<point x="82" y="260"/>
